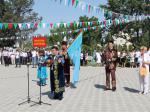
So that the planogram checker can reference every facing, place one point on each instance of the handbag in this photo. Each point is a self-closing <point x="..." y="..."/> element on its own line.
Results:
<point x="143" y="71"/>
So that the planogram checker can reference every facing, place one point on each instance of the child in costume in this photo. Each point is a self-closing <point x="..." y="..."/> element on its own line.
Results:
<point x="42" y="71"/>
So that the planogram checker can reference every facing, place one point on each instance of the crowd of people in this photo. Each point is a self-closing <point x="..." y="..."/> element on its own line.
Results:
<point x="124" y="58"/>
<point x="58" y="62"/>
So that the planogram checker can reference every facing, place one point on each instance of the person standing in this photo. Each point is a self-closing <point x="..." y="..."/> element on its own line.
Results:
<point x="110" y="58"/>
<point x="66" y="63"/>
<point x="12" y="58"/>
<point x="6" y="59"/>
<point x="17" y="56"/>
<point x="57" y="78"/>
<point x="144" y="61"/>
<point x="42" y="71"/>
<point x="34" y="58"/>
<point x="98" y="58"/>
<point x="0" y="56"/>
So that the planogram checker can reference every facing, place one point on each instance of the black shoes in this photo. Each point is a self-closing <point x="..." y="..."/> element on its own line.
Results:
<point x="113" y="88"/>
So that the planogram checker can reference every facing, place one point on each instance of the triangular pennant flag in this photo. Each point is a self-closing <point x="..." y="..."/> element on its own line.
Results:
<point x="69" y="2"/>
<point x="28" y="25"/>
<point x="55" y="25"/>
<point x="10" y="25"/>
<point x="61" y="25"/>
<point x="92" y="8"/>
<point x="32" y="25"/>
<point x="74" y="24"/>
<point x="68" y="24"/>
<point x="60" y="1"/>
<point x="35" y="25"/>
<point x="15" y="25"/>
<point x="40" y="25"/>
<point x="51" y="24"/>
<point x="80" y="24"/>
<point x="20" y="25"/>
<point x="89" y="7"/>
<point x="89" y="24"/>
<point x="120" y="22"/>
<point x="65" y="2"/>
<point x="86" y="7"/>
<point x="86" y="23"/>
<point x="80" y="4"/>
<point x="58" y="24"/>
<point x="71" y="24"/>
<point x="65" y="24"/>
<point x="83" y="7"/>
<point x="77" y="1"/>
<point x="77" y="24"/>
<point x="24" y="25"/>
<point x="73" y="1"/>
<point x="6" y="25"/>
<point x="44" y="25"/>
<point x="47" y="25"/>
<point x="1" y="25"/>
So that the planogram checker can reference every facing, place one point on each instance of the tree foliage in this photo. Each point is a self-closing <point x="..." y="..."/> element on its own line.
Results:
<point x="130" y="7"/>
<point x="17" y="11"/>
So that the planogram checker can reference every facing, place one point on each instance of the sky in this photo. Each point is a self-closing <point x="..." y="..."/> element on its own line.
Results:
<point x="54" y="12"/>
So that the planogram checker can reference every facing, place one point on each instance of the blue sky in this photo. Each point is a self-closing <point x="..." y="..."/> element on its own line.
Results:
<point x="52" y="11"/>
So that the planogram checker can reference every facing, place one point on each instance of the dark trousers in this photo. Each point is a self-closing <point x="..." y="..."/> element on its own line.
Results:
<point x="67" y="78"/>
<point x="52" y="82"/>
<point x="6" y="60"/>
<point x="18" y="62"/>
<point x="110" y="72"/>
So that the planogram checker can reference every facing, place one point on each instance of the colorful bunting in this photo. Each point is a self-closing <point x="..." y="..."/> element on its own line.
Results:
<point x="1" y="26"/>
<point x="6" y="25"/>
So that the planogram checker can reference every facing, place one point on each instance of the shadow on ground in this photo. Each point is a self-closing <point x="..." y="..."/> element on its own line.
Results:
<point x="98" y="86"/>
<point x="49" y="94"/>
<point x="132" y="90"/>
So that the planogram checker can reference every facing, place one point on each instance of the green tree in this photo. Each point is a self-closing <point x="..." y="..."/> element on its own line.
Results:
<point x="17" y="11"/>
<point x="129" y="7"/>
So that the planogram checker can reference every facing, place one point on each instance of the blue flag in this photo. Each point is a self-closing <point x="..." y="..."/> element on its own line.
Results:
<point x="74" y="52"/>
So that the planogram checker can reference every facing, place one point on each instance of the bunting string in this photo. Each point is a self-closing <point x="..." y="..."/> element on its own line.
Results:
<point x="91" y="8"/>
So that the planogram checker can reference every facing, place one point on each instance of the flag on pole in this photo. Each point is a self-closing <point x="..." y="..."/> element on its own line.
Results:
<point x="74" y="52"/>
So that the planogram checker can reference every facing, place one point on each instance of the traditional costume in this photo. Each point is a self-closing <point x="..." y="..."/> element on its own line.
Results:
<point x="42" y="71"/>
<point x="110" y="57"/>
<point x="57" y="79"/>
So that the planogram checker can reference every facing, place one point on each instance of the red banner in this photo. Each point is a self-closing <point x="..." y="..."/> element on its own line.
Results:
<point x="39" y="42"/>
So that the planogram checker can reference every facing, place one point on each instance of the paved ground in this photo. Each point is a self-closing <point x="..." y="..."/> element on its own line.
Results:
<point x="88" y="97"/>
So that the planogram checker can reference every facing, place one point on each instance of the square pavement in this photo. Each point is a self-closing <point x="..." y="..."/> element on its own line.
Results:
<point x="89" y="96"/>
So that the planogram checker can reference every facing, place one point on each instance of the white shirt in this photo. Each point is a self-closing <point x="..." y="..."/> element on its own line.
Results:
<point x="5" y="53"/>
<point x="137" y="54"/>
<point x="25" y="54"/>
<point x="98" y="57"/>
<point x="34" y="53"/>
<point x="81" y="56"/>
<point x="17" y="55"/>
<point x="146" y="58"/>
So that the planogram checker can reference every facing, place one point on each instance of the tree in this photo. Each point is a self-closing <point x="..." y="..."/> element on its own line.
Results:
<point x="129" y="7"/>
<point x="17" y="11"/>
